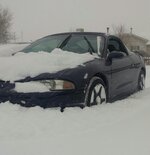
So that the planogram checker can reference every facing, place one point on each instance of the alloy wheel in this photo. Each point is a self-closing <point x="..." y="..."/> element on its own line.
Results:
<point x="98" y="95"/>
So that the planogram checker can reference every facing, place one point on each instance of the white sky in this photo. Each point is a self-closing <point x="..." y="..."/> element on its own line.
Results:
<point x="37" y="18"/>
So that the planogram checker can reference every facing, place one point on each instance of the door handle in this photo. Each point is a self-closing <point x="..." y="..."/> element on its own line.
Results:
<point x="132" y="65"/>
<point x="135" y="65"/>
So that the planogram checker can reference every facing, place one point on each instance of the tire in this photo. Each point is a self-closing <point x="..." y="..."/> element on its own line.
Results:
<point x="141" y="81"/>
<point x="96" y="92"/>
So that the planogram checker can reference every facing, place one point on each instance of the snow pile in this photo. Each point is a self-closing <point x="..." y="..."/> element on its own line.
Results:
<point x="9" y="49"/>
<point x="121" y="128"/>
<point x="32" y="64"/>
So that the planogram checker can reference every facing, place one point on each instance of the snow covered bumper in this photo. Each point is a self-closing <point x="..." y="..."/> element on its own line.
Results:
<point x="46" y="99"/>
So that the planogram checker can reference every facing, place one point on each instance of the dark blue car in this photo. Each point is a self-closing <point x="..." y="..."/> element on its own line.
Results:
<point x="114" y="74"/>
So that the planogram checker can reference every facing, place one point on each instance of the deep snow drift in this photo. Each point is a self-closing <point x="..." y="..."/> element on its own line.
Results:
<point x="121" y="128"/>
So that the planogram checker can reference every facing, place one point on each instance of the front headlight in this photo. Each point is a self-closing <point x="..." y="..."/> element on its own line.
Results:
<point x="43" y="86"/>
<point x="58" y="84"/>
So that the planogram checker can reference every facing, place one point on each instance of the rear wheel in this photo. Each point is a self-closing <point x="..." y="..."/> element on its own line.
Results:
<point x="96" y="92"/>
<point x="141" y="81"/>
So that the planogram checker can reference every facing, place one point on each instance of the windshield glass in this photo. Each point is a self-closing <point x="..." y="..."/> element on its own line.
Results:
<point x="81" y="44"/>
<point x="46" y="44"/>
<point x="77" y="43"/>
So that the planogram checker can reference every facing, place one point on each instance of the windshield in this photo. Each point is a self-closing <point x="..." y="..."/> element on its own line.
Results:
<point x="77" y="43"/>
<point x="46" y="44"/>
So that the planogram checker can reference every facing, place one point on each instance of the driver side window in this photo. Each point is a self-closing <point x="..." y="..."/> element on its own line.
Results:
<point x="116" y="45"/>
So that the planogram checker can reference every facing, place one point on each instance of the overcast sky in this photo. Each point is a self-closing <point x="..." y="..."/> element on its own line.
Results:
<point x="37" y="18"/>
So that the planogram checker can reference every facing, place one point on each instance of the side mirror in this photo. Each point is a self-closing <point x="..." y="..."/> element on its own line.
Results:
<point x="112" y="55"/>
<point x="116" y="55"/>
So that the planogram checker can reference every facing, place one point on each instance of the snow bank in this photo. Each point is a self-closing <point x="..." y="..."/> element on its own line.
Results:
<point x="121" y="128"/>
<point x="9" y="49"/>
<point x="32" y="64"/>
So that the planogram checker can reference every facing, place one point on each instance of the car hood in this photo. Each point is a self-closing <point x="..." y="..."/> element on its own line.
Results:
<point x="24" y="65"/>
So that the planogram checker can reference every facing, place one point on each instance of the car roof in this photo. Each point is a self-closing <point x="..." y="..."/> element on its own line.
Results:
<point x="79" y="33"/>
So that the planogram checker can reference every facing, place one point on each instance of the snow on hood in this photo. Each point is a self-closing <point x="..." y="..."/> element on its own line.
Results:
<point x="32" y="64"/>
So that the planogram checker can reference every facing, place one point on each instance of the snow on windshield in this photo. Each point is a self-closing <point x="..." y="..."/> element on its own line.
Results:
<point x="23" y="65"/>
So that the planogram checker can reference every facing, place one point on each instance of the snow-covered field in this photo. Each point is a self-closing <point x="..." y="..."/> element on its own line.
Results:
<point x="120" y="128"/>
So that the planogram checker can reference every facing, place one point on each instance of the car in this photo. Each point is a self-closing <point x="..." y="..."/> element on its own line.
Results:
<point x="113" y="74"/>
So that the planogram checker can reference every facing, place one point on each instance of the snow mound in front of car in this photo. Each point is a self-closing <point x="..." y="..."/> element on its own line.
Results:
<point x="32" y="64"/>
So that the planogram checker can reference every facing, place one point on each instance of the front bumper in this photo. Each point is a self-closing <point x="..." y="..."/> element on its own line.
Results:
<point x="46" y="99"/>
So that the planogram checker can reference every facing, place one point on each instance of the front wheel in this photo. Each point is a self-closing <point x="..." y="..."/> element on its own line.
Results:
<point x="96" y="92"/>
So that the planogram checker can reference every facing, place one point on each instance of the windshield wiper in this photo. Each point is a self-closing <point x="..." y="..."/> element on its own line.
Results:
<point x="65" y="41"/>
<point x="90" y="45"/>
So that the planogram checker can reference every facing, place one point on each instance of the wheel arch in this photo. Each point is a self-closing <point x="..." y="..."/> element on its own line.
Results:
<point x="103" y="77"/>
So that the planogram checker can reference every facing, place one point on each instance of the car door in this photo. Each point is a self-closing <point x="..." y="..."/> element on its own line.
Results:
<point x="122" y="74"/>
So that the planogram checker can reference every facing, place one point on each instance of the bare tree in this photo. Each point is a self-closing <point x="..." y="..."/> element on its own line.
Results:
<point x="121" y="32"/>
<point x="5" y="24"/>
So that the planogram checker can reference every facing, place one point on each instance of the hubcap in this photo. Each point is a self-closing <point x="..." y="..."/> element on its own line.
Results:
<point x="98" y="95"/>
<point x="142" y="82"/>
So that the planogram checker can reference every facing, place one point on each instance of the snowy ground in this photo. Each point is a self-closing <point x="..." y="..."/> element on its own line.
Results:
<point x="121" y="128"/>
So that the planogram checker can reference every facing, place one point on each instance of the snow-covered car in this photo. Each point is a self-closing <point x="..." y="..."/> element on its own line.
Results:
<point x="71" y="69"/>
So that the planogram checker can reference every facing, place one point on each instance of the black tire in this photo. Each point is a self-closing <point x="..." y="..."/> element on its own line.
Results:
<point x="96" y="92"/>
<point x="141" y="81"/>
